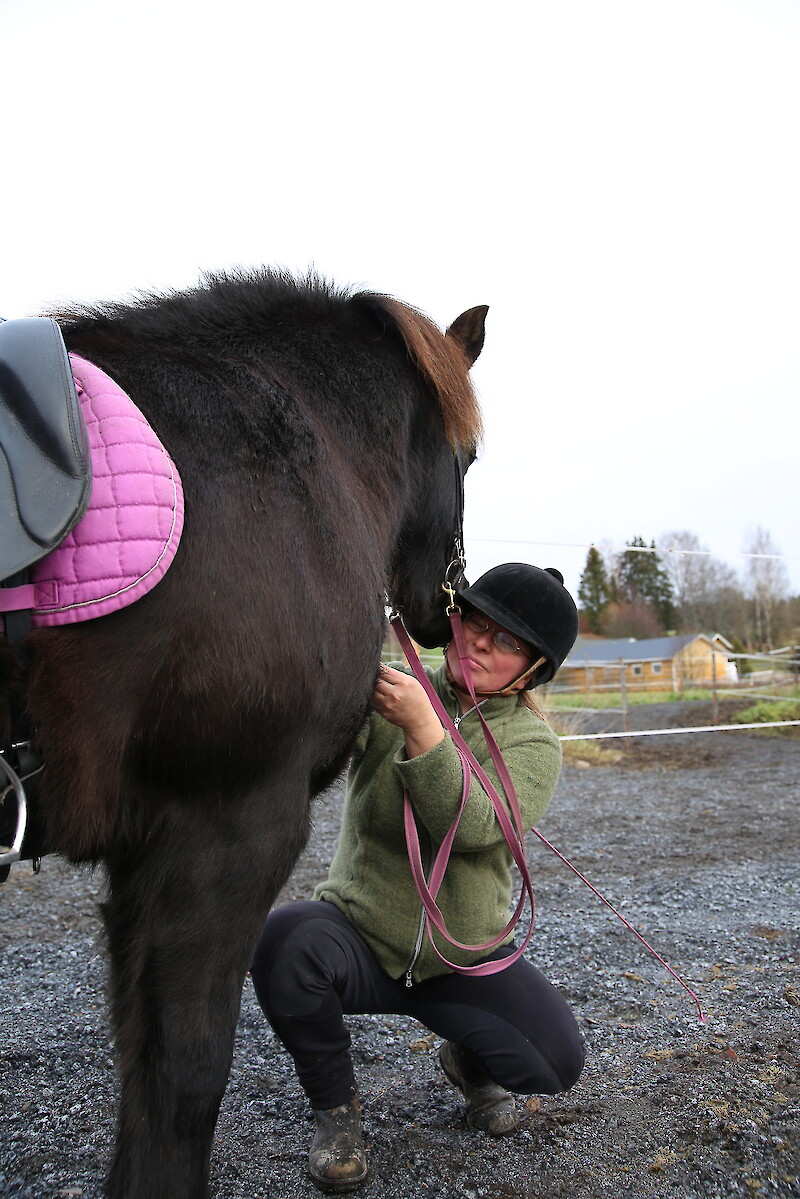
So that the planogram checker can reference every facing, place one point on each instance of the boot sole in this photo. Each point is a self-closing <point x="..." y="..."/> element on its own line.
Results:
<point x="335" y="1186"/>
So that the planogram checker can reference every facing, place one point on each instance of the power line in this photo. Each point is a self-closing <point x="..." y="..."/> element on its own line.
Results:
<point x="638" y="549"/>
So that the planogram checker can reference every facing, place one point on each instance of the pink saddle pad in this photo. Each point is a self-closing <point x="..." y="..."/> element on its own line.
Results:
<point x="128" y="536"/>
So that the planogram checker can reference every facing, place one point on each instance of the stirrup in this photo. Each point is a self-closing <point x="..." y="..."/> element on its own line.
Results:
<point x="11" y="853"/>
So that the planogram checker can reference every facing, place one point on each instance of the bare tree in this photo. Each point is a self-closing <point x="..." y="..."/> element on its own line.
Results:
<point x="767" y="584"/>
<point x="708" y="595"/>
<point x="691" y="573"/>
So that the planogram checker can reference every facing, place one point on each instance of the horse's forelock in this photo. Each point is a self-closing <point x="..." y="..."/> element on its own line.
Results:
<point x="443" y="363"/>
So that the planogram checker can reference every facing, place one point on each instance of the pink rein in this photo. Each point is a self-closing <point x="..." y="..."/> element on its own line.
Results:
<point x="514" y="833"/>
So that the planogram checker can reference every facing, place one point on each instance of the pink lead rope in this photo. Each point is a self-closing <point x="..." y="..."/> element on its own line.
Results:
<point x="514" y="833"/>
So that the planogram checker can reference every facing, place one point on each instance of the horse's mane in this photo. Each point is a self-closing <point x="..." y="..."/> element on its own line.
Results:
<point x="232" y="301"/>
<point x="443" y="363"/>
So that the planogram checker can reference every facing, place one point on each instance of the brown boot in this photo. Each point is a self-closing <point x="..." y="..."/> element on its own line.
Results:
<point x="336" y="1160"/>
<point x="490" y="1108"/>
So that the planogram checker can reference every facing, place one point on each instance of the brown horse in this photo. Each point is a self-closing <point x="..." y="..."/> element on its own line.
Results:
<point x="321" y="437"/>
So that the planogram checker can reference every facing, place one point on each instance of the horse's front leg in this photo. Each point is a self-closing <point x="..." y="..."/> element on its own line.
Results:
<point x="182" y="919"/>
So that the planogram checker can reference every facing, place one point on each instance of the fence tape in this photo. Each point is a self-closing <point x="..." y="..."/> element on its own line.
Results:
<point x="706" y="728"/>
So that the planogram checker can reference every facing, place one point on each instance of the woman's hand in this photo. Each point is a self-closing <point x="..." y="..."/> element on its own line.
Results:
<point x="401" y="700"/>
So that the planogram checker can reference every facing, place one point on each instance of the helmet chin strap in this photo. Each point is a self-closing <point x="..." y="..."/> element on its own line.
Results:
<point x="509" y="690"/>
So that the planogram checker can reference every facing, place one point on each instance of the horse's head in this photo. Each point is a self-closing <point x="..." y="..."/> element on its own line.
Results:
<point x="444" y="434"/>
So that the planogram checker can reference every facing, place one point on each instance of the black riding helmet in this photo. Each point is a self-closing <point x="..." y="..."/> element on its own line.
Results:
<point x="531" y="603"/>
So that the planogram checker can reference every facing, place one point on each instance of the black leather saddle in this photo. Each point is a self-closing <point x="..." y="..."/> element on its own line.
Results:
<point x="45" y="467"/>
<point x="45" y="483"/>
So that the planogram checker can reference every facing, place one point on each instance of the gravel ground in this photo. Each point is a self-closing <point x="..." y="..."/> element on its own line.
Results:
<point x="695" y="837"/>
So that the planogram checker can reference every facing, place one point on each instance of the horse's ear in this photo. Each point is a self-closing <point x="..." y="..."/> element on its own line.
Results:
<point x="469" y="330"/>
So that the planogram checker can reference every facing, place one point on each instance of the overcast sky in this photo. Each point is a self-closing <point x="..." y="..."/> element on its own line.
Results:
<point x="619" y="181"/>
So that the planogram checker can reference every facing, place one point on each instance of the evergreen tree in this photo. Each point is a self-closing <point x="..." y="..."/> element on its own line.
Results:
<point x="593" y="591"/>
<point x="641" y="576"/>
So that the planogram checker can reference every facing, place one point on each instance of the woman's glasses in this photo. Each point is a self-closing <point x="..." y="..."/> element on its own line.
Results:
<point x="504" y="641"/>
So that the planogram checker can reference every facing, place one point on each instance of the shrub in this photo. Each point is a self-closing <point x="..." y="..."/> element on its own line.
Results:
<point x="769" y="710"/>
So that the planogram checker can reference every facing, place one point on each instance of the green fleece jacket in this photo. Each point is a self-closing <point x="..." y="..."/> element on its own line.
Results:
<point x="370" y="878"/>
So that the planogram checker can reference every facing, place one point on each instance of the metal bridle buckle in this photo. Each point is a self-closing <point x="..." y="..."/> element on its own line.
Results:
<point x="448" y="586"/>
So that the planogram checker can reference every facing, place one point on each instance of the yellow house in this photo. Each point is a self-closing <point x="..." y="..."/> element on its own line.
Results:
<point x="654" y="664"/>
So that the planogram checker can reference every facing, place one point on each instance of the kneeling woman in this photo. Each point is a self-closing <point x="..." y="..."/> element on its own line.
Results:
<point x="359" y="945"/>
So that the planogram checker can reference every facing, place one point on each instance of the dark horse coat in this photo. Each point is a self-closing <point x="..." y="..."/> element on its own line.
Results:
<point x="321" y="437"/>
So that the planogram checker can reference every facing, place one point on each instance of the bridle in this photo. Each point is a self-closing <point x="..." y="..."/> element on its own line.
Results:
<point x="458" y="562"/>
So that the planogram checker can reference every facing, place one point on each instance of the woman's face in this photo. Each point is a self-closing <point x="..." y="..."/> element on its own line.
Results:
<point x="491" y="666"/>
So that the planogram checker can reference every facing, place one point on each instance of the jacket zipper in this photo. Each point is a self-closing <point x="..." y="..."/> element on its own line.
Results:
<point x="417" y="949"/>
<point x="421" y="926"/>
<point x="463" y="715"/>
<point x="420" y="931"/>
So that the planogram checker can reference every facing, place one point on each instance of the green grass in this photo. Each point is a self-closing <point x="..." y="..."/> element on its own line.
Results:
<point x="769" y="710"/>
<point x="613" y="699"/>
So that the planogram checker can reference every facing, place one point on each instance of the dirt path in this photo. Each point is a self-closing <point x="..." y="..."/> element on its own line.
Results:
<point x="697" y="839"/>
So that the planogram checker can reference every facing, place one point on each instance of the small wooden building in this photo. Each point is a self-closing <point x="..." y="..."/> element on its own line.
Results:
<point x="654" y="664"/>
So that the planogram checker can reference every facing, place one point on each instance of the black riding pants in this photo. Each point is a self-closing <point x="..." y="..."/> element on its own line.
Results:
<point x="311" y="967"/>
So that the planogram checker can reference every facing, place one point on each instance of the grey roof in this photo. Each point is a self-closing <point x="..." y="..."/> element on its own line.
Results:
<point x="651" y="649"/>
